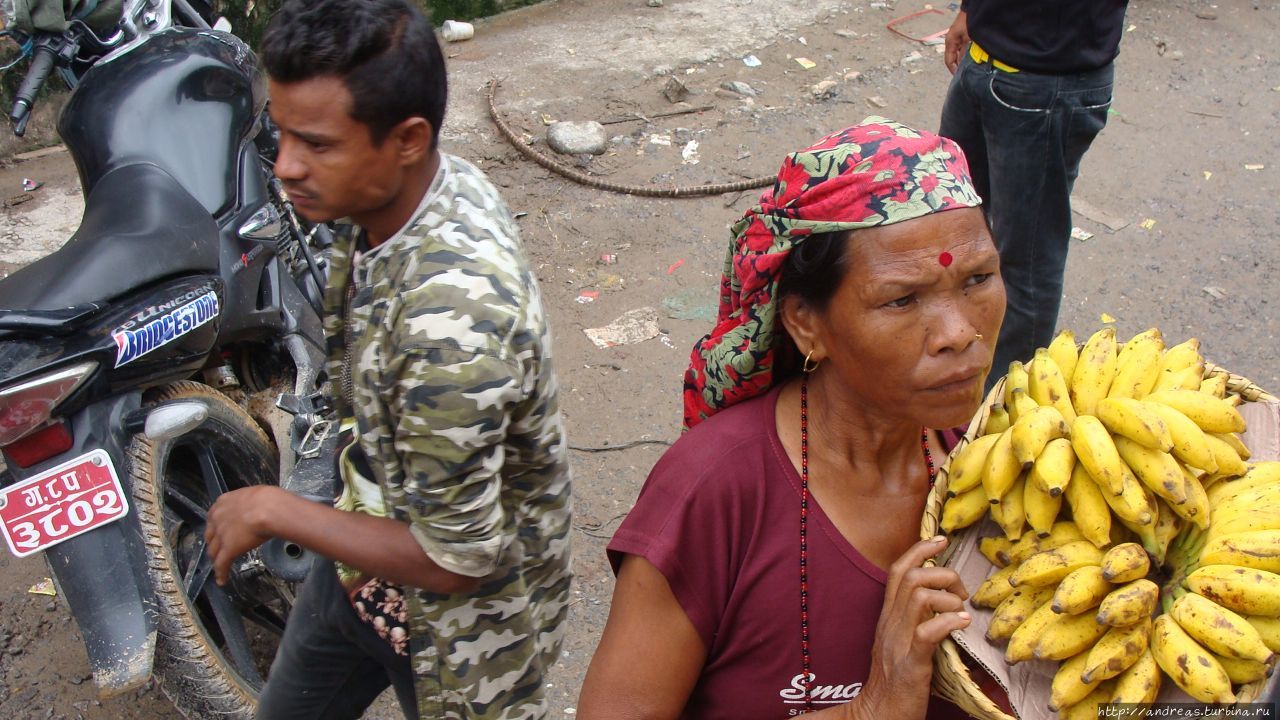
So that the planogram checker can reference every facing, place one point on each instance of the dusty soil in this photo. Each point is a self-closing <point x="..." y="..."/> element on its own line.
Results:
<point x="1197" y="105"/>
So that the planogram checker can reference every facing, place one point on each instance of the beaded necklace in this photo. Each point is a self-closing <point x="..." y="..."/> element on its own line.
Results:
<point x="807" y="676"/>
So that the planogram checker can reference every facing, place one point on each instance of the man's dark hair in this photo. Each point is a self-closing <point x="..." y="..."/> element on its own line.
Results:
<point x="385" y="52"/>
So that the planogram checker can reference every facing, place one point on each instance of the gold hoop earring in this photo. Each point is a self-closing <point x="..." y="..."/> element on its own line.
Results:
<point x="809" y="365"/>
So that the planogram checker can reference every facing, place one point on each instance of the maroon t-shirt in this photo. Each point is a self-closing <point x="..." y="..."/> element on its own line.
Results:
<point x="719" y="516"/>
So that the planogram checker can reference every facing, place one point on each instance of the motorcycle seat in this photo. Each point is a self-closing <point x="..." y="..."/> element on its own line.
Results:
<point x="140" y="226"/>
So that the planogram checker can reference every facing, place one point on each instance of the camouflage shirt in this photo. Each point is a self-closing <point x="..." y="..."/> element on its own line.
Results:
<point x="456" y="409"/>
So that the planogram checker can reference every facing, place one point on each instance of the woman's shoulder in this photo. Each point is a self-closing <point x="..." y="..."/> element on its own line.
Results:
<point x="731" y="438"/>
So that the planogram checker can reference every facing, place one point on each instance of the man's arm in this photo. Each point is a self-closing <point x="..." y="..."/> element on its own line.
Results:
<point x="957" y="41"/>
<point x="380" y="547"/>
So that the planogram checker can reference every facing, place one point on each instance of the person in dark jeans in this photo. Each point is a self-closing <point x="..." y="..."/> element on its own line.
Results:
<point x="1031" y="88"/>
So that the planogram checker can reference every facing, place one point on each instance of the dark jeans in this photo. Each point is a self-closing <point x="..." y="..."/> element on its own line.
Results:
<point x="330" y="664"/>
<point x="1024" y="135"/>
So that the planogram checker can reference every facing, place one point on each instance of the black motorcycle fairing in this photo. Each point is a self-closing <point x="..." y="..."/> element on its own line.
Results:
<point x="63" y="321"/>
<point x="140" y="226"/>
<point x="101" y="574"/>
<point x="186" y="100"/>
<point x="134" y="342"/>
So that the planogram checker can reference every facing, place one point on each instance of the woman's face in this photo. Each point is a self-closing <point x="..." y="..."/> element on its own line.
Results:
<point x="902" y="330"/>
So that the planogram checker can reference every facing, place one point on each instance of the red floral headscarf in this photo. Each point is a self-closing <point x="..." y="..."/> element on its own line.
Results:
<point x="878" y="172"/>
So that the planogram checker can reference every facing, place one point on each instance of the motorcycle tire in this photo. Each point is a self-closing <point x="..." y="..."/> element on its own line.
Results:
<point x="209" y="661"/>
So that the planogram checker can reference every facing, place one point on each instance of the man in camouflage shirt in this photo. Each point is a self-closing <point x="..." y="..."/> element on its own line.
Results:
<point x="451" y="537"/>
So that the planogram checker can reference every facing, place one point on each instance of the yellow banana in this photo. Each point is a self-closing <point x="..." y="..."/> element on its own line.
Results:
<point x="1116" y="651"/>
<point x="1021" y="405"/>
<point x="1067" y="635"/>
<point x="1040" y="507"/>
<point x="1268" y="629"/>
<point x="1225" y="456"/>
<point x="1022" y="643"/>
<point x="1053" y="468"/>
<point x="1033" y="431"/>
<point x="1134" y="420"/>
<point x="1185" y="354"/>
<point x="965" y="471"/>
<point x="1010" y="513"/>
<point x="964" y="510"/>
<point x="1189" y="444"/>
<point x="1082" y="589"/>
<point x="1089" y="508"/>
<point x="1087" y="709"/>
<point x="995" y="549"/>
<point x="1259" y="549"/>
<point x="1001" y="468"/>
<point x="1015" y="610"/>
<point x="1168" y="525"/>
<point x="994" y="589"/>
<point x="1158" y="470"/>
<point x="1068" y="688"/>
<point x="1146" y="336"/>
<point x="1063" y="532"/>
<point x="1065" y="354"/>
<point x="1014" y="381"/>
<point x="1212" y="414"/>
<point x="1230" y="520"/>
<point x="1050" y="566"/>
<point x="1138" y="366"/>
<point x="1047" y="385"/>
<point x="1261" y="477"/>
<point x="1241" y="495"/>
<point x="1240" y="671"/>
<point x="1140" y="684"/>
<point x="1135" y="505"/>
<point x="1097" y="452"/>
<point x="1124" y="563"/>
<point x="1184" y="379"/>
<point x="997" y="419"/>
<point x="1244" y="590"/>
<point x="1215" y="386"/>
<point x="1219" y="629"/>
<point x="1208" y="480"/>
<point x="1188" y="664"/>
<point x="1129" y="604"/>
<point x="1236" y="444"/>
<point x="1095" y="371"/>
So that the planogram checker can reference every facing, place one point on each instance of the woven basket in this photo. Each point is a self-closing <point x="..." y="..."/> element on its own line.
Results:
<point x="951" y="678"/>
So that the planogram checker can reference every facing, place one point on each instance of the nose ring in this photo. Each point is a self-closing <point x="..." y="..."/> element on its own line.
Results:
<point x="977" y="336"/>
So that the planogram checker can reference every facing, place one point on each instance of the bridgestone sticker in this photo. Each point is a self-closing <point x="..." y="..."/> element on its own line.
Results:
<point x="164" y="329"/>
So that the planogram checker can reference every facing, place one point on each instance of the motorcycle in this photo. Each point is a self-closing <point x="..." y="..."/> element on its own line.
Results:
<point x="169" y="352"/>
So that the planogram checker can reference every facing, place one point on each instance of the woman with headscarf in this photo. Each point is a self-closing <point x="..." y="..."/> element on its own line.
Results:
<point x="771" y="565"/>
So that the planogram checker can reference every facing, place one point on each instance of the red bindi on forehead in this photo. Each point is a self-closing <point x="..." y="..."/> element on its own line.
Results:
<point x="945" y="259"/>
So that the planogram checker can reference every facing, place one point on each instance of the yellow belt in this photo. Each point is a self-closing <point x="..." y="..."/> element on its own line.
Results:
<point x="980" y="56"/>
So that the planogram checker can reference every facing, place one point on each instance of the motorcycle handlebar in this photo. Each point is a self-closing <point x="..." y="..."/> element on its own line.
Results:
<point x="43" y="59"/>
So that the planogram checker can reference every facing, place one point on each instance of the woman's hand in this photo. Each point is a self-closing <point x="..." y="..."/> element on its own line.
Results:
<point x="957" y="41"/>
<point x="922" y="605"/>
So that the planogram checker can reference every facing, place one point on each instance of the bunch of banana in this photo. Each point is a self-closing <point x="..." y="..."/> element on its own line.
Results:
<point x="1139" y="421"/>
<point x="1108" y="467"/>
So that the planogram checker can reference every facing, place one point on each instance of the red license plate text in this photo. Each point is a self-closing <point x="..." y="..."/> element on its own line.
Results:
<point x="61" y="503"/>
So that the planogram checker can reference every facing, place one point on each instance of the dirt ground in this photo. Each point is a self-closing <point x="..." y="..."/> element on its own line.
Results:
<point x="1187" y="171"/>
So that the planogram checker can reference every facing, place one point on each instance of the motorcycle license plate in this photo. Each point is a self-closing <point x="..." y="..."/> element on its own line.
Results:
<point x="61" y="503"/>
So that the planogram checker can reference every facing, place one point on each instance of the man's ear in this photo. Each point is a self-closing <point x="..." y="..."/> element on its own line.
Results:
<point x="801" y="323"/>
<point x="414" y="138"/>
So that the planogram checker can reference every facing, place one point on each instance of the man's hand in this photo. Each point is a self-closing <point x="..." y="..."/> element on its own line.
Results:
<point x="957" y="41"/>
<point x="235" y="524"/>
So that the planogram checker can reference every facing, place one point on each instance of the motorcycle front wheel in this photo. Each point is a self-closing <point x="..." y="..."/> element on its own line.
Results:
<point x="214" y="643"/>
